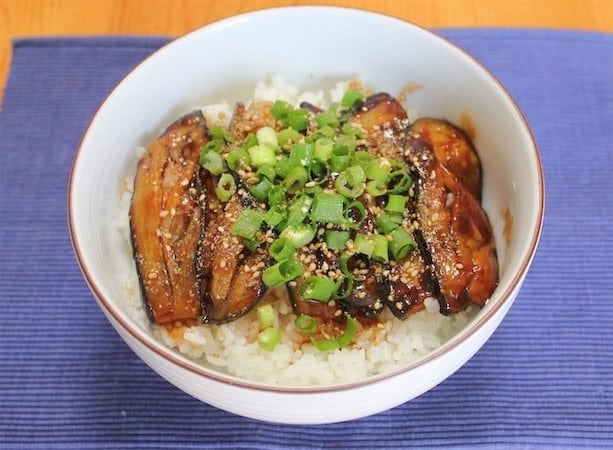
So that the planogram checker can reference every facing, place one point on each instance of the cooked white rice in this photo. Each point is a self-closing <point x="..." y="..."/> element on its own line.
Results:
<point x="233" y="347"/>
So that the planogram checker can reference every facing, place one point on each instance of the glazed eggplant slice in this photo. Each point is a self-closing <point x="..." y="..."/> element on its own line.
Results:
<point x="403" y="287"/>
<point x="165" y="221"/>
<point x="454" y="231"/>
<point x="231" y="273"/>
<point x="232" y="282"/>
<point x="453" y="149"/>
<point x="378" y="113"/>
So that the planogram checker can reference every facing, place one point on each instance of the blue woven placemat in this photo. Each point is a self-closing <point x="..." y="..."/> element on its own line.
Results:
<point x="545" y="379"/>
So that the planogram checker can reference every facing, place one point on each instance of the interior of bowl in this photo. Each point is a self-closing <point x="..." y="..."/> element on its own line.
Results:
<point x="224" y="60"/>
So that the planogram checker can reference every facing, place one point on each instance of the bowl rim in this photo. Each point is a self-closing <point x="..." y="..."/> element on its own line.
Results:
<point x="183" y="362"/>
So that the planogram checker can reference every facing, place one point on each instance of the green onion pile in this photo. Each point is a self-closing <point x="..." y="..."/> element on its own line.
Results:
<point x="309" y="175"/>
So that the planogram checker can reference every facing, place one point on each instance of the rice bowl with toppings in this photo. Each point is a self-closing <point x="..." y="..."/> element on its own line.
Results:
<point x="385" y="364"/>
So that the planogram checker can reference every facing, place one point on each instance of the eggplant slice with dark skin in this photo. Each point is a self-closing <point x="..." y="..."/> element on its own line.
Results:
<point x="165" y="221"/>
<point x="232" y="279"/>
<point x="454" y="230"/>
<point x="231" y="273"/>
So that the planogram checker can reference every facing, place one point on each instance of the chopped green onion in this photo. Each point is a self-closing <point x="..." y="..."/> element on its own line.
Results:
<point x="327" y="208"/>
<point x="350" y="182"/>
<point x="280" y="109"/>
<point x="395" y="217"/>
<point x="318" y="172"/>
<point x="276" y="195"/>
<point x="350" y="328"/>
<point x="378" y="170"/>
<point x="318" y="288"/>
<point x="336" y="240"/>
<point x="220" y="133"/>
<point x="396" y="165"/>
<point x="301" y="155"/>
<point x="267" y="316"/>
<point x="351" y="130"/>
<point x="299" y="209"/>
<point x="275" y="215"/>
<point x="283" y="166"/>
<point x="281" y="249"/>
<point x="212" y="161"/>
<point x="385" y="223"/>
<point x="269" y="338"/>
<point x="267" y="136"/>
<point x="287" y="137"/>
<point x="213" y="144"/>
<point x="399" y="182"/>
<point x="306" y="323"/>
<point x="248" y="223"/>
<point x="250" y="141"/>
<point x="362" y="158"/>
<point x="323" y="148"/>
<point x="262" y="154"/>
<point x="340" y="158"/>
<point x="376" y="188"/>
<point x="345" y="287"/>
<point x="327" y="118"/>
<point x="266" y="171"/>
<point x="364" y="244"/>
<point x="296" y="178"/>
<point x="298" y="119"/>
<point x="261" y="189"/>
<point x="354" y="214"/>
<point x="347" y="141"/>
<point x="380" y="252"/>
<point x="226" y="187"/>
<point x="282" y="272"/>
<point x="326" y="345"/>
<point x="343" y="263"/>
<point x="299" y="235"/>
<point x="351" y="97"/>
<point x="237" y="157"/>
<point x="396" y="203"/>
<point x="326" y="131"/>
<point x="402" y="244"/>
<point x="252" y="244"/>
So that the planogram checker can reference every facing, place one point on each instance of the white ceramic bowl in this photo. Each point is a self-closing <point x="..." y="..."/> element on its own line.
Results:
<point x="223" y="60"/>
